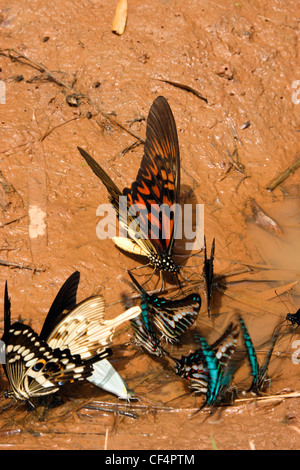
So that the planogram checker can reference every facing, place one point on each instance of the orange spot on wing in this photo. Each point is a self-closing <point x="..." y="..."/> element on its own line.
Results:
<point x="156" y="191"/>
<point x="144" y="189"/>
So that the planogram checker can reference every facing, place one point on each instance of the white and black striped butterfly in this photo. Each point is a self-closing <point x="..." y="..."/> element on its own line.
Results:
<point x="171" y="317"/>
<point x="72" y="339"/>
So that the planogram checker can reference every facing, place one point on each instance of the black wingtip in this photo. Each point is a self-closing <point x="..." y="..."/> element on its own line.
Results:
<point x="7" y="310"/>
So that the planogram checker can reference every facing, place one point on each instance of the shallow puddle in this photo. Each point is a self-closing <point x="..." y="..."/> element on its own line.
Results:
<point x="229" y="52"/>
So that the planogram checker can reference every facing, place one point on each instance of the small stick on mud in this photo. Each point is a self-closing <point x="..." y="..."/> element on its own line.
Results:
<point x="48" y="132"/>
<point x="125" y="150"/>
<point x="19" y="266"/>
<point x="48" y="75"/>
<point x="184" y="87"/>
<point x="12" y="221"/>
<point x="283" y="176"/>
<point x="106" y="439"/>
<point x="120" y="18"/>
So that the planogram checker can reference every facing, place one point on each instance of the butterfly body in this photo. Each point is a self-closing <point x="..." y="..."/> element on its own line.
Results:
<point x="154" y="195"/>
<point x="294" y="318"/>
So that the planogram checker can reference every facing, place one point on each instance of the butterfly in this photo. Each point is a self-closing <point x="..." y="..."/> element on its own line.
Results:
<point x="171" y="317"/>
<point x="105" y="376"/>
<point x="208" y="273"/>
<point x="195" y="366"/>
<point x="294" y="318"/>
<point x="218" y="367"/>
<point x="73" y="338"/>
<point x="144" y="331"/>
<point x="146" y="337"/>
<point x="258" y="373"/>
<point x="155" y="190"/>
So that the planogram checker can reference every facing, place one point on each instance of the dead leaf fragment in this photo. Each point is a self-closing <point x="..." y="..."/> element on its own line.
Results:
<point x="120" y="18"/>
<point x="276" y="292"/>
<point x="263" y="220"/>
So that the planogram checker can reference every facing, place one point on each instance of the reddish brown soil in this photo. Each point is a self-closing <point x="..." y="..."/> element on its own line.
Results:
<point x="244" y="59"/>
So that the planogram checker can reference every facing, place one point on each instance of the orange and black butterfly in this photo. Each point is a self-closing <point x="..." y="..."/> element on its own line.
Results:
<point x="153" y="193"/>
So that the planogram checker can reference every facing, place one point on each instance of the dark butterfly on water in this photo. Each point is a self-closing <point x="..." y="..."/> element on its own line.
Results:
<point x="72" y="339"/>
<point x="171" y="317"/>
<point x="294" y="318"/>
<point x="208" y="368"/>
<point x="258" y="373"/>
<point x="157" y="186"/>
<point x="208" y="274"/>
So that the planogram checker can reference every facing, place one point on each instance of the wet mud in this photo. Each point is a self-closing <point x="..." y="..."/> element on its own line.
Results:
<point x="243" y="58"/>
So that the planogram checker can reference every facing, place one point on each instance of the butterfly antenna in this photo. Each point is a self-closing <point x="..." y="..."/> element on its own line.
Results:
<point x="281" y="300"/>
<point x="135" y="282"/>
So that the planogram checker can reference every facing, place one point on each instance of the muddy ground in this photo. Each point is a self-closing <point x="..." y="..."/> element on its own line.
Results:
<point x="243" y="57"/>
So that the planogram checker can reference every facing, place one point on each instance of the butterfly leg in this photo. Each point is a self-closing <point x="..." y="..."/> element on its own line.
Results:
<point x="139" y="267"/>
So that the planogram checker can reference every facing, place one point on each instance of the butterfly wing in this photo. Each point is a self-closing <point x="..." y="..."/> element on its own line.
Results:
<point x="226" y="345"/>
<point x="158" y="179"/>
<point x="171" y="317"/>
<point x="113" y="190"/>
<point x="142" y="327"/>
<point x="174" y="317"/>
<point x="250" y="353"/>
<point x="146" y="337"/>
<point x="263" y="370"/>
<point x="208" y="273"/>
<point x="7" y="324"/>
<point x="34" y="369"/>
<point x="64" y="301"/>
<point x="157" y="184"/>
<point x="193" y="367"/>
<point x="106" y="377"/>
<point x="85" y="332"/>
<point x="214" y="372"/>
<point x="7" y="310"/>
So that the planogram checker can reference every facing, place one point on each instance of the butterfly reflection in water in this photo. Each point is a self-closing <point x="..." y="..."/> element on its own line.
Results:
<point x="210" y="369"/>
<point x="155" y="190"/>
<point x="72" y="339"/>
<point x="170" y="317"/>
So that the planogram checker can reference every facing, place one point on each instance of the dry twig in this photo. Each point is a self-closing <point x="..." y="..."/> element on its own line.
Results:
<point x="283" y="176"/>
